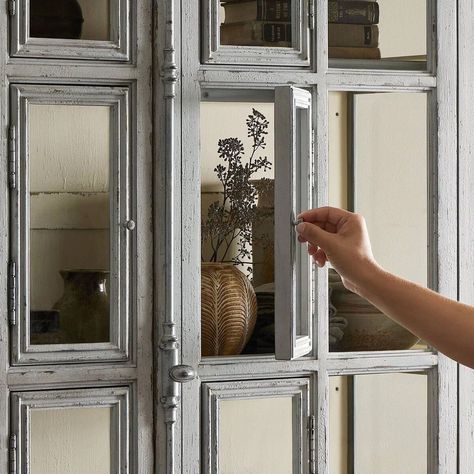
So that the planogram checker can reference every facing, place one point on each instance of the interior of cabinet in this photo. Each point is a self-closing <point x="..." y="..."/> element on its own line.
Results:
<point x="400" y="33"/>
<point x="247" y="240"/>
<point x="69" y="152"/>
<point x="378" y="423"/>
<point x="76" y="19"/>
<point x="378" y="167"/>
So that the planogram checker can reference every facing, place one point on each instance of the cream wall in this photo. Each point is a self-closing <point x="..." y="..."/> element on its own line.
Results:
<point x="402" y="27"/>
<point x="68" y="150"/>
<point x="96" y="19"/>
<point x="391" y="143"/>
<point x="70" y="441"/>
<point x="256" y="436"/>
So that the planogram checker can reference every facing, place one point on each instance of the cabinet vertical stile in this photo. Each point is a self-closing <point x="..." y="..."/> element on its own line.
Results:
<point x="76" y="100"/>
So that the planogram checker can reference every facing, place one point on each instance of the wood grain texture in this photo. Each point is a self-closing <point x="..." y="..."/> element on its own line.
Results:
<point x="228" y="310"/>
<point x="466" y="221"/>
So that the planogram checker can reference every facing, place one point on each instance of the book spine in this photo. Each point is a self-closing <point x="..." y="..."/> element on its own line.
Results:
<point x="366" y="36"/>
<point x="273" y="10"/>
<point x="361" y="12"/>
<point x="276" y="32"/>
<point x="353" y="53"/>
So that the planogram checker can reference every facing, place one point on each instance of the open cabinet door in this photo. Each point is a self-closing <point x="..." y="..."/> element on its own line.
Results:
<point x="293" y="194"/>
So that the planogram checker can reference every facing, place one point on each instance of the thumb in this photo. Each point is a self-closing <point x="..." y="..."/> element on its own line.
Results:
<point x="315" y="235"/>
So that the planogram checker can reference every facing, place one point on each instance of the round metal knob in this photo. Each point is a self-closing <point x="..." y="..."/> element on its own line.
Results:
<point x="182" y="373"/>
<point x="130" y="225"/>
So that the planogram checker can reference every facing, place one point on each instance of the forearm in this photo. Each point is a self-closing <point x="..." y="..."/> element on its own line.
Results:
<point x="445" y="324"/>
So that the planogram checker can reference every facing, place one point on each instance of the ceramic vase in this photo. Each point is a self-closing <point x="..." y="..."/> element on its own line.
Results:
<point x="228" y="309"/>
<point x="56" y="19"/>
<point x="84" y="310"/>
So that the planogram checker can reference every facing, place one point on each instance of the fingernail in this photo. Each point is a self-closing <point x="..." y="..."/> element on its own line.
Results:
<point x="300" y="227"/>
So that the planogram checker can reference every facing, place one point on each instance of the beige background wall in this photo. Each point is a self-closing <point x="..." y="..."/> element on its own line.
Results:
<point x="391" y="146"/>
<point x="96" y="19"/>
<point x="69" y="182"/>
<point x="402" y="27"/>
<point x="70" y="441"/>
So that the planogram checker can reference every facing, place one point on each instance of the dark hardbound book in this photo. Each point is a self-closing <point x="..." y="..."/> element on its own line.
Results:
<point x="256" y="33"/>
<point x="258" y="10"/>
<point x="360" y="13"/>
<point x="366" y="36"/>
<point x="341" y="52"/>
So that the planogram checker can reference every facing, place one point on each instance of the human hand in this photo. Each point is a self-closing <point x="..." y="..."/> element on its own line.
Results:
<point x="340" y="237"/>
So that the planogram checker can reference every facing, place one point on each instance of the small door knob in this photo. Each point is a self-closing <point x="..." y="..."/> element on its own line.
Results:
<point x="182" y="373"/>
<point x="130" y="225"/>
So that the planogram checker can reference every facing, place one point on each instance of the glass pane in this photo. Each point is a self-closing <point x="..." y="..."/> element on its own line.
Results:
<point x="256" y="23"/>
<point x="378" y="424"/>
<point x="256" y="436"/>
<point x="69" y="223"/>
<point x="237" y="213"/>
<point x="383" y="29"/>
<point x="378" y="153"/>
<point x="72" y="440"/>
<point x="70" y="19"/>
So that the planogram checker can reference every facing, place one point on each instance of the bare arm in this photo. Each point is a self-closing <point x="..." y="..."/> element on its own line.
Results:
<point x="341" y="238"/>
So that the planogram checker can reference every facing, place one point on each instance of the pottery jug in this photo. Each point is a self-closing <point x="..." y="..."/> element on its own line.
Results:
<point x="84" y="306"/>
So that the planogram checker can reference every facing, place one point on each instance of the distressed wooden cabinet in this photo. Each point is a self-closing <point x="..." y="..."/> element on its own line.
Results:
<point x="109" y="146"/>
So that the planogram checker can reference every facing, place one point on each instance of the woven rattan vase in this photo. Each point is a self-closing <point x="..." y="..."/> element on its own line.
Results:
<point x="228" y="310"/>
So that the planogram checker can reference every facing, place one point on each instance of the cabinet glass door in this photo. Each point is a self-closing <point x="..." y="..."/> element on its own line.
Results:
<point x="256" y="426"/>
<point x="73" y="227"/>
<point x="256" y="176"/>
<point x="275" y="32"/>
<point x="75" y="29"/>
<point x="73" y="431"/>
<point x="379" y="161"/>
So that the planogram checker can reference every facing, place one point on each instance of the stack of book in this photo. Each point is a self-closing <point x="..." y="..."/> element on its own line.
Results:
<point x="256" y="23"/>
<point x="353" y="29"/>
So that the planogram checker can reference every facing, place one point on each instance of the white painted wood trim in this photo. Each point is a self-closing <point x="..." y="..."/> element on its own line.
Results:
<point x="214" y="52"/>
<point x="119" y="48"/>
<point x="444" y="222"/>
<point x="214" y="393"/>
<point x="293" y="268"/>
<point x="118" y="399"/>
<point x="466" y="220"/>
<point x="122" y="244"/>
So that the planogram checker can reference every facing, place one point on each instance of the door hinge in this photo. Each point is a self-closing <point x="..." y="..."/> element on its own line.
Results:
<point x="12" y="453"/>
<point x="12" y="293"/>
<point x="12" y="161"/>
<point x="12" y="7"/>
<point x="311" y="14"/>
<point x="312" y="444"/>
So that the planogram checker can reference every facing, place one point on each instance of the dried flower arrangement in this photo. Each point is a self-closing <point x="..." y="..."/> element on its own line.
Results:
<point x="230" y="220"/>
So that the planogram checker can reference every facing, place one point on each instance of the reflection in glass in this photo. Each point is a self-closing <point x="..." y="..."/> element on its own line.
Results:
<point x="237" y="209"/>
<point x="379" y="30"/>
<point x="378" y="162"/>
<point x="256" y="23"/>
<point x="70" y="19"/>
<point x="70" y="440"/>
<point x="69" y="223"/>
<point x="378" y="424"/>
<point x="256" y="436"/>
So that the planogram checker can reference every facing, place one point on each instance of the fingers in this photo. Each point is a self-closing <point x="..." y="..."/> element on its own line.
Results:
<point x="328" y="216"/>
<point x="320" y="258"/>
<point x="314" y="234"/>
